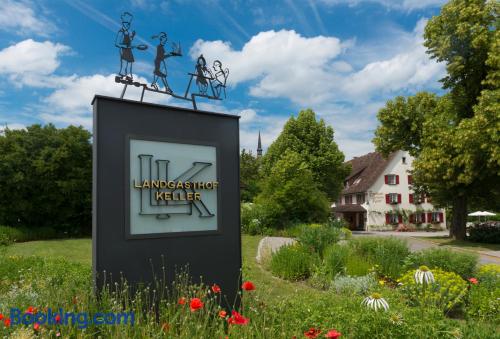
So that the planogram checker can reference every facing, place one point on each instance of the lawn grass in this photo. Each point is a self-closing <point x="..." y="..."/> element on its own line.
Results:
<point x="467" y="245"/>
<point x="80" y="250"/>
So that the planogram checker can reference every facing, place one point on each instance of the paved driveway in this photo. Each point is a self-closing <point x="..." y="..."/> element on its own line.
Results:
<point x="415" y="244"/>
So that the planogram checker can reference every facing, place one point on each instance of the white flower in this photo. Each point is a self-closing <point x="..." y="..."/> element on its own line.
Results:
<point x="375" y="302"/>
<point x="424" y="276"/>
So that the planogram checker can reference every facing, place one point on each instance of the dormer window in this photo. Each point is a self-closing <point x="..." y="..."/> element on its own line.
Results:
<point x="403" y="160"/>
<point x="391" y="179"/>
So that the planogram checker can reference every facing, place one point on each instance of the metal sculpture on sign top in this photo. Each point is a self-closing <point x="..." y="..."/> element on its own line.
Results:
<point x="211" y="83"/>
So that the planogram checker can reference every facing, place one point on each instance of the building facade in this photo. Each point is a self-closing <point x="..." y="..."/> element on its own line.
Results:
<point x="378" y="195"/>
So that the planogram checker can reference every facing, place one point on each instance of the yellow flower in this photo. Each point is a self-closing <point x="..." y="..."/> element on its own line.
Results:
<point x="381" y="282"/>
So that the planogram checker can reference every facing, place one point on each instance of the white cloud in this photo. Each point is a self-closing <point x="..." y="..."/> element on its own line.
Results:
<point x="284" y="63"/>
<point x="23" y="18"/>
<point x="406" y="5"/>
<point x="32" y="63"/>
<point x="247" y="115"/>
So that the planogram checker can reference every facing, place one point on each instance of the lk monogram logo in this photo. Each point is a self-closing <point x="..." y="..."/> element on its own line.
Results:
<point x="164" y="197"/>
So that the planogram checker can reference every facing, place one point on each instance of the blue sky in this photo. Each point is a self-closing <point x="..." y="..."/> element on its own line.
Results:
<point x="341" y="58"/>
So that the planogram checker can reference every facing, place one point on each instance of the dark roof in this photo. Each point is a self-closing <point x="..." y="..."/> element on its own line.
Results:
<point x="349" y="208"/>
<point x="365" y="171"/>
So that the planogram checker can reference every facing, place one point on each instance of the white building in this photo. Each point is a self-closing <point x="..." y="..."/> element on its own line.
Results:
<point x="377" y="195"/>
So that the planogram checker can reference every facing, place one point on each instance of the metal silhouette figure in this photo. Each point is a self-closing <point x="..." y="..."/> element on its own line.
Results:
<point x="160" y="71"/>
<point x="220" y="78"/>
<point x="123" y="41"/>
<point x="211" y="85"/>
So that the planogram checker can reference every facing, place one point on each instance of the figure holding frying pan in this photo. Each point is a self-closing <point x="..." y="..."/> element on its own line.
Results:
<point x="123" y="41"/>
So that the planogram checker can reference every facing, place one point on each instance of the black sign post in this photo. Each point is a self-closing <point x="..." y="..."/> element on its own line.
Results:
<point x="165" y="183"/>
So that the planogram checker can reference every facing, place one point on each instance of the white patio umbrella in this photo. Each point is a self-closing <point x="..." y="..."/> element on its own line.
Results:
<point x="480" y="214"/>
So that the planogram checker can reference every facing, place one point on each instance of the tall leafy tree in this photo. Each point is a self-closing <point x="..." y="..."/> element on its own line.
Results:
<point x="313" y="141"/>
<point x="46" y="177"/>
<point x="455" y="137"/>
<point x="249" y="175"/>
<point x="291" y="194"/>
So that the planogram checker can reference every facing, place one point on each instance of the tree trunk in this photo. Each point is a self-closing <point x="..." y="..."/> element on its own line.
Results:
<point x="459" y="217"/>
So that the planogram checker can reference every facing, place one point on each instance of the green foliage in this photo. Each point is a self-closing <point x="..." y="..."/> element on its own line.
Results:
<point x="348" y="285"/>
<point x="463" y="264"/>
<point x="455" y="139"/>
<point x="485" y="233"/>
<point x="291" y="194"/>
<point x="294" y="262"/>
<point x="316" y="237"/>
<point x="388" y="253"/>
<point x="22" y="234"/>
<point x="46" y="177"/>
<point x="357" y="265"/>
<point x="335" y="260"/>
<point x="447" y="291"/>
<point x="484" y="297"/>
<point x="249" y="176"/>
<point x="313" y="140"/>
<point x="253" y="220"/>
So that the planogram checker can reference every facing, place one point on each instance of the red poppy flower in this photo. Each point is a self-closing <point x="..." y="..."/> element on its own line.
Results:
<point x="216" y="288"/>
<point x="6" y="322"/>
<point x="30" y="310"/>
<point x="57" y="318"/>
<point x="36" y="326"/>
<point x="237" y="319"/>
<point x="312" y="333"/>
<point x="195" y="304"/>
<point x="333" y="334"/>
<point x="248" y="286"/>
<point x="1" y="316"/>
<point x="182" y="301"/>
<point x="222" y="314"/>
<point x="473" y="281"/>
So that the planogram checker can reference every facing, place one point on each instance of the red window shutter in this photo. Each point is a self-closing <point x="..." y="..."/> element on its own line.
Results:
<point x="441" y="217"/>
<point x="429" y="217"/>
<point x="386" y="179"/>
<point x="387" y="218"/>
<point x="400" y="219"/>
<point x="410" y="180"/>
<point x="399" y="198"/>
<point x="410" y="196"/>
<point x="387" y="198"/>
<point x="412" y="218"/>
<point x="397" y="179"/>
<point x="423" y="217"/>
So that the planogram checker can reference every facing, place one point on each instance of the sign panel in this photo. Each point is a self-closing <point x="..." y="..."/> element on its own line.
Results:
<point x="165" y="193"/>
<point x="173" y="187"/>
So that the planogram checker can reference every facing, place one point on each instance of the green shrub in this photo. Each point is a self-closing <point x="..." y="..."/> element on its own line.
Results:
<point x="292" y="262"/>
<point x="485" y="233"/>
<point x="335" y="260"/>
<point x="316" y="237"/>
<point x="357" y="265"/>
<point x="464" y="264"/>
<point x="484" y="296"/>
<point x="388" y="253"/>
<point x="447" y="291"/>
<point x="344" y="284"/>
<point x="253" y="221"/>
<point x="345" y="233"/>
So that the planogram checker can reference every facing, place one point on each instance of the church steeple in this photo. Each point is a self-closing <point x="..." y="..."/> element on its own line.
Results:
<point x="259" y="147"/>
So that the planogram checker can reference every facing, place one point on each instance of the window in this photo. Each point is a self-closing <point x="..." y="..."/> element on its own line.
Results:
<point x="436" y="217"/>
<point x="415" y="198"/>
<point x="348" y="199"/>
<point x="393" y="198"/>
<point x="410" y="180"/>
<point x="417" y="218"/>
<point x="392" y="179"/>
<point x="393" y="218"/>
<point x="360" y="198"/>
<point x="403" y="160"/>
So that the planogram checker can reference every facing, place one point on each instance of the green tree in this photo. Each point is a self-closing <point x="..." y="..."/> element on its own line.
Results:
<point x="313" y="140"/>
<point x="46" y="177"/>
<point x="249" y="175"/>
<point x="454" y="138"/>
<point x="291" y="194"/>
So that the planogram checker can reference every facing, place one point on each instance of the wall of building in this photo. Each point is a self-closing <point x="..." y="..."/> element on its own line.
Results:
<point x="376" y="195"/>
